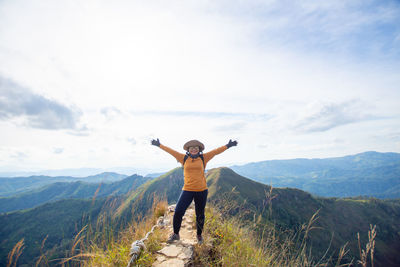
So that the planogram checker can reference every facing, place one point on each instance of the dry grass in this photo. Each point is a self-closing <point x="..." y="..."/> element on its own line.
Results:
<point x="236" y="241"/>
<point x="42" y="261"/>
<point x="159" y="208"/>
<point x="369" y="247"/>
<point x="230" y="242"/>
<point x="102" y="247"/>
<point x="15" y="253"/>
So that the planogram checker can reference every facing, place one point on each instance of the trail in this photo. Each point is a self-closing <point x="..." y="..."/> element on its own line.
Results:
<point x="179" y="253"/>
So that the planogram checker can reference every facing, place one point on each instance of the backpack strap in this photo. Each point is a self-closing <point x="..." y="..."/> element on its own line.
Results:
<point x="200" y="156"/>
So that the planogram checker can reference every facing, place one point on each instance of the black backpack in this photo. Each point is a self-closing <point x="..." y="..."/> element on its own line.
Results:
<point x="200" y="156"/>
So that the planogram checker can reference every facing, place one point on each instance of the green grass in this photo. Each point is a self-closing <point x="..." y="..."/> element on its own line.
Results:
<point x="258" y="224"/>
<point x="230" y="241"/>
<point x="103" y="246"/>
<point x="286" y="209"/>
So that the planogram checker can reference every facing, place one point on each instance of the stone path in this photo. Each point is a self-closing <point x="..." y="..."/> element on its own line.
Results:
<point x="179" y="253"/>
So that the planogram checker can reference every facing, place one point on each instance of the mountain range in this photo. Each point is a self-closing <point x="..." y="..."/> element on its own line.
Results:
<point x="259" y="204"/>
<point x="339" y="219"/>
<point x="15" y="185"/>
<point x="68" y="190"/>
<point x="366" y="174"/>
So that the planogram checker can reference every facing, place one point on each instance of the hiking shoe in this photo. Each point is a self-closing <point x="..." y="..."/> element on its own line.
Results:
<point x="199" y="239"/>
<point x="172" y="238"/>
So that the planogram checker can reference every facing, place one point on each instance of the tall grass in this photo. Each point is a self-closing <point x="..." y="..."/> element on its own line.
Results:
<point x="231" y="239"/>
<point x="42" y="261"/>
<point x="369" y="247"/>
<point x="231" y="242"/>
<point x="104" y="246"/>
<point x="234" y="235"/>
<point x="15" y="253"/>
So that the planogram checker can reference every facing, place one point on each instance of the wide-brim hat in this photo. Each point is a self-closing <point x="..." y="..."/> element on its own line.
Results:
<point x="193" y="143"/>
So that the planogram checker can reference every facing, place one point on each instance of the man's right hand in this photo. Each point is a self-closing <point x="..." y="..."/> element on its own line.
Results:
<point x="155" y="142"/>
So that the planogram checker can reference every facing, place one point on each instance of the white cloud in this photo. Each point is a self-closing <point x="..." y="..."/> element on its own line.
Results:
<point x="331" y="115"/>
<point x="231" y="128"/>
<point x="40" y="112"/>
<point x="110" y="112"/>
<point x="19" y="155"/>
<point x="279" y="76"/>
<point x="131" y="140"/>
<point x="58" y="150"/>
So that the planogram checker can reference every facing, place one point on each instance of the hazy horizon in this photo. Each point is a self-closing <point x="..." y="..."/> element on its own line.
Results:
<point x="84" y="172"/>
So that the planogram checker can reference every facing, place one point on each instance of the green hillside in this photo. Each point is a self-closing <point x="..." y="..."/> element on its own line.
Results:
<point x="78" y="190"/>
<point x="62" y="220"/>
<point x="290" y="208"/>
<point x="365" y="174"/>
<point x="140" y="201"/>
<point x="59" y="222"/>
<point x="285" y="209"/>
<point x="15" y="185"/>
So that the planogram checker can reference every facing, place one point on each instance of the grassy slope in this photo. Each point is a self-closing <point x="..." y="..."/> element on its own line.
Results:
<point x="290" y="208"/>
<point x="287" y="209"/>
<point x="60" y="221"/>
<point x="140" y="201"/>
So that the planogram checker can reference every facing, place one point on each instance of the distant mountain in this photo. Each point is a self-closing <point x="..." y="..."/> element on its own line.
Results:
<point x="12" y="186"/>
<point x="75" y="172"/>
<point x="339" y="219"/>
<point x="366" y="174"/>
<point x="77" y="190"/>
<point x="155" y="175"/>
<point x="79" y="172"/>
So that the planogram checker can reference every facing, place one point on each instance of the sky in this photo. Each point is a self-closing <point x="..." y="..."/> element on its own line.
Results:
<point x="89" y="84"/>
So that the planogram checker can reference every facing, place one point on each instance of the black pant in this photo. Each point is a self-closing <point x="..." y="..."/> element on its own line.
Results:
<point x="186" y="197"/>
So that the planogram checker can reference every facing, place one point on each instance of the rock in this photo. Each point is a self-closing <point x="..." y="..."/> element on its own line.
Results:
<point x="173" y="263"/>
<point x="171" y="251"/>
<point x="161" y="258"/>
<point x="160" y="221"/>
<point x="179" y="253"/>
<point x="171" y="208"/>
<point x="187" y="253"/>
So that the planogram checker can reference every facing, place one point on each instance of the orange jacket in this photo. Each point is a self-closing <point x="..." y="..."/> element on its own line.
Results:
<point x="193" y="170"/>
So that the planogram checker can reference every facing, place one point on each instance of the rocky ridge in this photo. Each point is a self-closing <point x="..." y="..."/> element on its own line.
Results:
<point x="179" y="253"/>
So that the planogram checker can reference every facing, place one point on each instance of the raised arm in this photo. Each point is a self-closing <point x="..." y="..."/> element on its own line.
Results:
<point x="179" y="156"/>
<point x="209" y="155"/>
